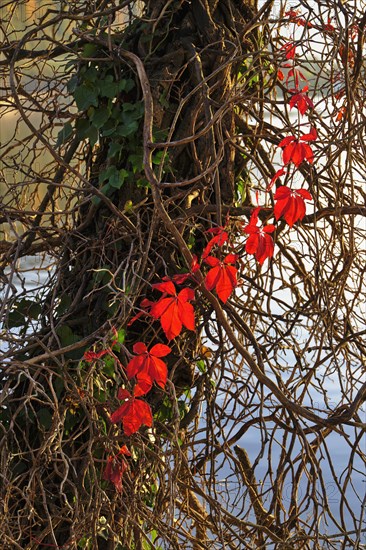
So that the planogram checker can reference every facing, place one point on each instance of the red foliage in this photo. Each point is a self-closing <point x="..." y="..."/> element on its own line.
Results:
<point x="116" y="467"/>
<point x="220" y="238"/>
<point x="290" y="50"/>
<point x="148" y="363"/>
<point x="296" y="150"/>
<point x="174" y="312"/>
<point x="133" y="413"/>
<point x="301" y="100"/>
<point x="290" y="204"/>
<point x="90" y="356"/>
<point x="278" y="174"/>
<point x="259" y="242"/>
<point x="223" y="276"/>
<point x="181" y="278"/>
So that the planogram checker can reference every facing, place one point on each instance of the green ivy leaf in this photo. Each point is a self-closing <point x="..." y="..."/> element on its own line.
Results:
<point x="128" y="128"/>
<point x="86" y="95"/>
<point x="86" y="130"/>
<point x="100" y="116"/>
<point x="126" y="85"/>
<point x="73" y="83"/>
<point x="114" y="148"/>
<point x="107" y="87"/>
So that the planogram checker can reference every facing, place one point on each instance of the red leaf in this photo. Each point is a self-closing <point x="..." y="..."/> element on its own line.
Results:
<point x="114" y="471"/>
<point x="186" y="313"/>
<point x="171" y="321"/>
<point x="144" y="384"/>
<point x="220" y="238"/>
<point x="167" y="287"/>
<point x="139" y="414"/>
<point x="160" y="350"/>
<point x="294" y="150"/>
<point x="139" y="348"/>
<point x="290" y="204"/>
<point x="145" y="304"/>
<point x="290" y="50"/>
<point x="174" y="312"/>
<point x="222" y="277"/>
<point x="133" y="413"/>
<point x="301" y="101"/>
<point x="148" y="364"/>
<point x="277" y="175"/>
<point x="90" y="356"/>
<point x="311" y="136"/>
<point x="259" y="242"/>
<point x="124" y="451"/>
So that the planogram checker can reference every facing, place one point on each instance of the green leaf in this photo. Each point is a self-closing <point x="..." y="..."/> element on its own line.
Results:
<point x="201" y="366"/>
<point x="121" y="335"/>
<point x="106" y="189"/>
<point x="108" y="88"/>
<point x="114" y="147"/>
<point x="100" y="116"/>
<point x="64" y="304"/>
<point x="157" y="158"/>
<point x="85" y="130"/>
<point x="126" y="85"/>
<point x="91" y="74"/>
<point x="64" y="134"/>
<point x="107" y="173"/>
<point x="66" y="335"/>
<point x="136" y="161"/>
<point x="114" y="176"/>
<point x="108" y="367"/>
<point x="125" y="130"/>
<point x="132" y="111"/>
<point x="85" y="96"/>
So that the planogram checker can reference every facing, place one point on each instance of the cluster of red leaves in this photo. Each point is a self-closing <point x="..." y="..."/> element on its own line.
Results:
<point x="301" y="100"/>
<point x="260" y="242"/>
<point x="296" y="150"/>
<point x="116" y="467"/>
<point x="133" y="413"/>
<point x="295" y="17"/>
<point x="147" y="366"/>
<point x="173" y="309"/>
<point x="290" y="204"/>
<point x="222" y="276"/>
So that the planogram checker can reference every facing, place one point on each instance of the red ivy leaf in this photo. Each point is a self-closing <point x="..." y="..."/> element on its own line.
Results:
<point x="222" y="277"/>
<point x="114" y="470"/>
<point x="278" y="174"/>
<point x="144" y="384"/>
<point x="174" y="312"/>
<point x="148" y="363"/>
<point x="133" y="413"/>
<point x="295" y="150"/>
<point x="181" y="278"/>
<point x="90" y="356"/>
<point x="290" y="50"/>
<point x="290" y="204"/>
<point x="260" y="242"/>
<point x="220" y="238"/>
<point x="301" y="101"/>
